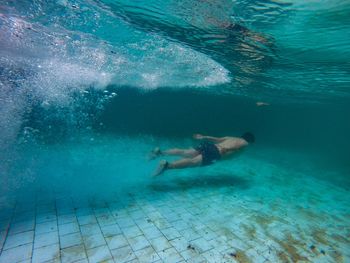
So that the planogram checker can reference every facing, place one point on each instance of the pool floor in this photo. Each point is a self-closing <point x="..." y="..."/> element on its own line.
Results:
<point x="266" y="214"/>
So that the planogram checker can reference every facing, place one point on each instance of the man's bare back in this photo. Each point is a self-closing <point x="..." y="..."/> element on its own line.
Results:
<point x="209" y="151"/>
<point x="231" y="145"/>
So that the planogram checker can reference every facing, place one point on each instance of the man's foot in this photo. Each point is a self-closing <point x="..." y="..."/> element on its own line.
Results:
<point x="156" y="152"/>
<point x="163" y="165"/>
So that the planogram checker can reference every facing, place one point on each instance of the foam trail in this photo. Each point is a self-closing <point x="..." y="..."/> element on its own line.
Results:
<point x="49" y="64"/>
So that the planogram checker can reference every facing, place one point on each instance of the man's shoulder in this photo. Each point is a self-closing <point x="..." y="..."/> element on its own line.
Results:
<point x="239" y="142"/>
<point x="231" y="138"/>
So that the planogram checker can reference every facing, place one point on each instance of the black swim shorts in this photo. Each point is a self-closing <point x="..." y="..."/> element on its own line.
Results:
<point x="209" y="152"/>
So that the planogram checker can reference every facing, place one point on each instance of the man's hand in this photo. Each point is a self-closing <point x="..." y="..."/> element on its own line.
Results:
<point x="261" y="103"/>
<point x="198" y="136"/>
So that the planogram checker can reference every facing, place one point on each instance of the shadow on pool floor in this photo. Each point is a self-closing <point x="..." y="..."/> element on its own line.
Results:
<point x="200" y="181"/>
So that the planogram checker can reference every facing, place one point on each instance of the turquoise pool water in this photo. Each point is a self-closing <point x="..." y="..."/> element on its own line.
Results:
<point x="88" y="88"/>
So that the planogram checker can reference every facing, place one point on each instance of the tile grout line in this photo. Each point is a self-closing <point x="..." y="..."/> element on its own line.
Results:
<point x="58" y="233"/>
<point x="122" y="233"/>
<point x="76" y="218"/>
<point x="104" y="238"/>
<point x="59" y="240"/>
<point x="9" y="226"/>
<point x="35" y="215"/>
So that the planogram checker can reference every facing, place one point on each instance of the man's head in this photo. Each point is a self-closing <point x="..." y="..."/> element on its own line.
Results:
<point x="249" y="137"/>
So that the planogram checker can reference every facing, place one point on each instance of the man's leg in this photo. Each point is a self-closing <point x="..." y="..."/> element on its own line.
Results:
<point x="186" y="163"/>
<point x="180" y="164"/>
<point x="182" y="152"/>
<point x="189" y="153"/>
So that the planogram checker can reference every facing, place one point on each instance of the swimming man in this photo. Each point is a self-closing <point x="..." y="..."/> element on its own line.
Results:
<point x="207" y="152"/>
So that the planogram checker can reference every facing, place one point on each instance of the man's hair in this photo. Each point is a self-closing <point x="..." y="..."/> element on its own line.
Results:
<point x="249" y="137"/>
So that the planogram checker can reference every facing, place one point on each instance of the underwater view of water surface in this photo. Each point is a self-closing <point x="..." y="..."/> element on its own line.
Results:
<point x="174" y="131"/>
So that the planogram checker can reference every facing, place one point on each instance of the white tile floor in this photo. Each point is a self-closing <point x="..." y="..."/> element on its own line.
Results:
<point x="298" y="219"/>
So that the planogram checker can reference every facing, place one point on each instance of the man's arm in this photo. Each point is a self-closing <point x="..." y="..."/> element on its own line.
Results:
<point x="209" y="138"/>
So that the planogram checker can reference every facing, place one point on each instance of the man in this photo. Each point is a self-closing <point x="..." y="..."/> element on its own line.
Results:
<point x="210" y="150"/>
